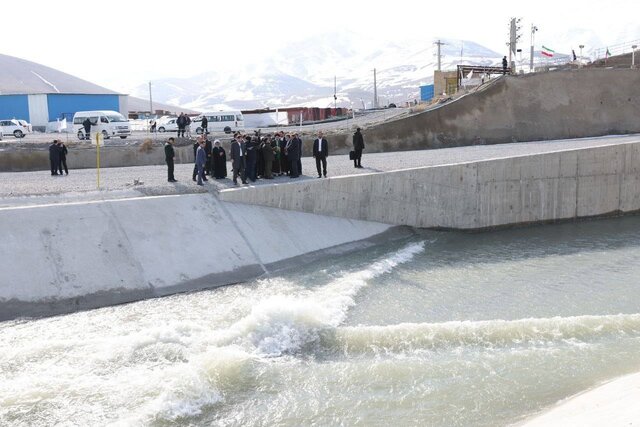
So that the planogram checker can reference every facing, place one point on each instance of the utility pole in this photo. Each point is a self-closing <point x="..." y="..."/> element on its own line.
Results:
<point x="439" y="43"/>
<point x="533" y="31"/>
<point x="150" y="101"/>
<point x="513" y="40"/>
<point x="375" y="90"/>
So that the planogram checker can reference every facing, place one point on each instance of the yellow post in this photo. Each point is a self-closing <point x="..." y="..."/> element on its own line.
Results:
<point x="98" y="135"/>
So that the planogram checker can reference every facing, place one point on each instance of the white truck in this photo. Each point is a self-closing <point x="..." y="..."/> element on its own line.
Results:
<point x="227" y="121"/>
<point x="108" y="123"/>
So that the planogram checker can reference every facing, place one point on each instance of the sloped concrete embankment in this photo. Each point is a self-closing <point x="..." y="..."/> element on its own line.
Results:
<point x="62" y="258"/>
<point x="533" y="107"/>
<point x="476" y="195"/>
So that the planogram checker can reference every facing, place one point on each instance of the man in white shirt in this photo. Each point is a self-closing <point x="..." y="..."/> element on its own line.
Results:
<point x="320" y="153"/>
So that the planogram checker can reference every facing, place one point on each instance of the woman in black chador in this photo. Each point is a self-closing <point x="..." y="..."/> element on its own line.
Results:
<point x="219" y="160"/>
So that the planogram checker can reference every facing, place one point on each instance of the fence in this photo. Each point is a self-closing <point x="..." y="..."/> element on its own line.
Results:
<point x="614" y="50"/>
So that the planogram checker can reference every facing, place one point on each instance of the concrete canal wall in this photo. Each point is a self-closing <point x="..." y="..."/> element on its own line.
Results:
<point x="66" y="257"/>
<point x="532" y="188"/>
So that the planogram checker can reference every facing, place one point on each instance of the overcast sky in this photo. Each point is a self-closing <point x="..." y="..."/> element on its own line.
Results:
<point x="120" y="44"/>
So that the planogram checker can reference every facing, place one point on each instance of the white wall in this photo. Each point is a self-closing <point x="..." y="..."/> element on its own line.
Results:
<point x="38" y="110"/>
<point x="123" y="101"/>
<point x="279" y="118"/>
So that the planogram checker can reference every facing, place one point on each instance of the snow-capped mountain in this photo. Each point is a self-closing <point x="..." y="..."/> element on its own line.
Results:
<point x="302" y="74"/>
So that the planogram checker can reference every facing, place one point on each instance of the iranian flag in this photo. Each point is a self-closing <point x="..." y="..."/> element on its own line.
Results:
<point x="547" y="52"/>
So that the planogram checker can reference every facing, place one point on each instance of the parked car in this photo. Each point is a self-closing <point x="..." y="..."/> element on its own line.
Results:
<point x="168" y="126"/>
<point x="13" y="127"/>
<point x="26" y="125"/>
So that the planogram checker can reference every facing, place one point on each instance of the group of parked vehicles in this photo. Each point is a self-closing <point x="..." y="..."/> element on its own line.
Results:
<point x="221" y="121"/>
<point x="113" y="124"/>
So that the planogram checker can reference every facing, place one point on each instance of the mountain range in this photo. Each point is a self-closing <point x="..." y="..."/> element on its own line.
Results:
<point x="302" y="74"/>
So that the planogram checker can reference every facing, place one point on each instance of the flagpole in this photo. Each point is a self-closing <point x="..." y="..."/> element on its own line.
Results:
<point x="98" y="135"/>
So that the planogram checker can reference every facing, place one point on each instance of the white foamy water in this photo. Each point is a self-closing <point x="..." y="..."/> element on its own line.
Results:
<point x="444" y="329"/>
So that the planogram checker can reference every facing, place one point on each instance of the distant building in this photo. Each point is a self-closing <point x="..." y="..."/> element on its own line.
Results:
<point x="426" y="93"/>
<point x="445" y="82"/>
<point x="40" y="94"/>
<point x="291" y="115"/>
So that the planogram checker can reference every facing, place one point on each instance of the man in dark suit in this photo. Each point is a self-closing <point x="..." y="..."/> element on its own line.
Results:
<point x="208" y="146"/>
<point x="320" y="153"/>
<point x="54" y="157"/>
<point x="238" y="157"/>
<point x="201" y="160"/>
<point x="169" y="154"/>
<point x="293" y="153"/>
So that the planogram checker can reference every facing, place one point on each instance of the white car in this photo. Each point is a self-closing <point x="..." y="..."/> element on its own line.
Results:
<point x="13" y="127"/>
<point x="26" y="125"/>
<point x="168" y="126"/>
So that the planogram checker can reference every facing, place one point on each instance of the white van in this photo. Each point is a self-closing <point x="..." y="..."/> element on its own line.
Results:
<point x="109" y="123"/>
<point x="227" y="121"/>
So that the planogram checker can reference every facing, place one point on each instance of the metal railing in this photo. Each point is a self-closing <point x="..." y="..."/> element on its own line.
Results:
<point x="614" y="50"/>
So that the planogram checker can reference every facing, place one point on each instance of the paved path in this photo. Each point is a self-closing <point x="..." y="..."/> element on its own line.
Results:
<point x="152" y="179"/>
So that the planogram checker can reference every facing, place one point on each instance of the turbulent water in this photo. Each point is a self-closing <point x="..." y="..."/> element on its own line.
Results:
<point x="437" y="329"/>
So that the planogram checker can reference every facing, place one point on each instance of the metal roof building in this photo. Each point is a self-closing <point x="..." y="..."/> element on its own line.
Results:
<point x="41" y="94"/>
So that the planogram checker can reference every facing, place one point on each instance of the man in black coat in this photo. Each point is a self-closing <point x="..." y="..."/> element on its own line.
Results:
<point x="181" y="121"/>
<point x="196" y="146"/>
<point x="219" y="160"/>
<point x="293" y="153"/>
<point x="358" y="146"/>
<point x="299" y="154"/>
<point x="238" y="158"/>
<point x="208" y="146"/>
<point x="505" y="64"/>
<point x="54" y="157"/>
<point x="320" y="153"/>
<point x="63" y="158"/>
<point x="87" y="128"/>
<point x="252" y="157"/>
<point x="205" y="125"/>
<point x="284" y="159"/>
<point x="169" y="154"/>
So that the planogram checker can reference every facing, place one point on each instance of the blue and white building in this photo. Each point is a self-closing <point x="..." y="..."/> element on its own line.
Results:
<point x="40" y="94"/>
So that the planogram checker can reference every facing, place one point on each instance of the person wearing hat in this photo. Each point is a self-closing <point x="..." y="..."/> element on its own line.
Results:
<point x="219" y="160"/>
<point x="358" y="146"/>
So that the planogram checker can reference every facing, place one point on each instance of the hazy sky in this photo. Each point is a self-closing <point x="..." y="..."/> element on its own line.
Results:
<point x="120" y="44"/>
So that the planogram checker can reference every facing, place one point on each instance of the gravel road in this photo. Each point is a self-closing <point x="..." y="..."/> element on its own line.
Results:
<point x="151" y="180"/>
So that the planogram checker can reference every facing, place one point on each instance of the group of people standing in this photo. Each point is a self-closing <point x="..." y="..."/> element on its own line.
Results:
<point x="279" y="154"/>
<point x="183" y="121"/>
<point x="58" y="157"/>
<point x="255" y="157"/>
